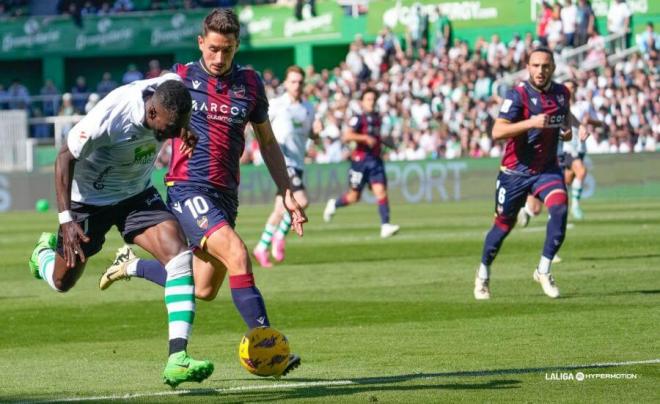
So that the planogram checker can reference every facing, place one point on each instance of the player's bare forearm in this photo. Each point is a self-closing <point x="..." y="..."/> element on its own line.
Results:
<point x="504" y="129"/>
<point x="350" y="136"/>
<point x="64" y="167"/>
<point x="272" y="155"/>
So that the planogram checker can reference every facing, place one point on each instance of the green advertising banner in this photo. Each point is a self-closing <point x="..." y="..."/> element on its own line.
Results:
<point x="614" y="176"/>
<point x="487" y="14"/>
<point x="262" y="26"/>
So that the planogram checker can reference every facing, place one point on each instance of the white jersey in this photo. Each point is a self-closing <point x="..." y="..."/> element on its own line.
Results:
<point x="115" y="151"/>
<point x="576" y="146"/>
<point x="292" y="125"/>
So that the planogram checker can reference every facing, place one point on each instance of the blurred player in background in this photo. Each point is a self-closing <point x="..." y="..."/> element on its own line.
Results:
<point x="203" y="187"/>
<point x="367" y="165"/>
<point x="103" y="178"/>
<point x="293" y="122"/>
<point x="534" y="118"/>
<point x="571" y="158"/>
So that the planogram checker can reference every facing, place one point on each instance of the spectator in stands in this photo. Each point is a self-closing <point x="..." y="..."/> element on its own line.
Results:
<point x="88" y="9"/>
<point x="79" y="92"/>
<point x="544" y="18"/>
<point x="618" y="22"/>
<point x="106" y="85"/>
<point x="154" y="69"/>
<point x="649" y="42"/>
<point x="596" y="55"/>
<point x="19" y="96"/>
<point x="416" y="26"/>
<point x="40" y="130"/>
<point x="304" y="9"/>
<point x="585" y="22"/>
<point x="483" y="86"/>
<point x="441" y="32"/>
<point x="92" y="100"/>
<point x="105" y="9"/>
<point x="132" y="74"/>
<point x="554" y="28"/>
<point x="4" y="13"/>
<point x="569" y="22"/>
<point x="67" y="108"/>
<point x="495" y="50"/>
<point x="50" y="98"/>
<point x="123" y="6"/>
<point x="4" y="98"/>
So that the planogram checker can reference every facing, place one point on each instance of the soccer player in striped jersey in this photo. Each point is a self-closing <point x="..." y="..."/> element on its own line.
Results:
<point x="202" y="188"/>
<point x="103" y="178"/>
<point x="534" y="117"/>
<point x="367" y="166"/>
<point x="292" y="118"/>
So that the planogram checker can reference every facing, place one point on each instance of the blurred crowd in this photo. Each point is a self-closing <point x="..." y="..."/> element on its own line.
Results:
<point x="438" y="97"/>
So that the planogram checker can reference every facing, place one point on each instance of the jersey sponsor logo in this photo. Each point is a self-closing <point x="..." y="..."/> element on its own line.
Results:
<point x="506" y="106"/>
<point x="221" y="112"/>
<point x="145" y="154"/>
<point x="152" y="199"/>
<point x="98" y="183"/>
<point x="238" y="90"/>
<point x="196" y="84"/>
<point x="556" y="121"/>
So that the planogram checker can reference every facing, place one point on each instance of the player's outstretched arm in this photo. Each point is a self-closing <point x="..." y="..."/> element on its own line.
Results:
<point x="274" y="160"/>
<point x="72" y="234"/>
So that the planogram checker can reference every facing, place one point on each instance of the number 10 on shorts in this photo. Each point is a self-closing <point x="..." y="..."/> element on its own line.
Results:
<point x="197" y="206"/>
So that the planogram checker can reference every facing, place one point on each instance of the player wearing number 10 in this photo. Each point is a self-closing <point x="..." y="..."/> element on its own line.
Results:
<point x="203" y="187"/>
<point x="534" y="117"/>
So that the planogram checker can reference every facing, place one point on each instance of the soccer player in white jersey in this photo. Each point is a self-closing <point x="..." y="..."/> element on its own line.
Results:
<point x="103" y="178"/>
<point x="292" y="119"/>
<point x="575" y="170"/>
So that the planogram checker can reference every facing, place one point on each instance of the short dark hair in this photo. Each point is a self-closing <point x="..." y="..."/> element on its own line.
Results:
<point x="294" y="69"/>
<point x="222" y="21"/>
<point x="543" y="49"/>
<point x="173" y="96"/>
<point x="367" y="91"/>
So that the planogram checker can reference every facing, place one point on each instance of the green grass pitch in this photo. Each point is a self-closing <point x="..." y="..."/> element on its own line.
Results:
<point x="390" y="321"/>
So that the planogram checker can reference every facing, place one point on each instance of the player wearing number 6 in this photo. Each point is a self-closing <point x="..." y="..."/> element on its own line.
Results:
<point x="534" y="117"/>
<point x="367" y="166"/>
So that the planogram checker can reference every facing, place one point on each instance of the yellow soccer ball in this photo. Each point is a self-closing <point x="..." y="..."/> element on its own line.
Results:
<point x="264" y="351"/>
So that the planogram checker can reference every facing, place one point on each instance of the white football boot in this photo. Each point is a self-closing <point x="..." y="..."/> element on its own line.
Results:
<point x="481" y="289"/>
<point x="329" y="210"/>
<point x="388" y="230"/>
<point x="547" y="282"/>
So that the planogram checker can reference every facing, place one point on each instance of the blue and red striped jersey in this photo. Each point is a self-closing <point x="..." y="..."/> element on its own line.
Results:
<point x="367" y="124"/>
<point x="535" y="151"/>
<point x="221" y="108"/>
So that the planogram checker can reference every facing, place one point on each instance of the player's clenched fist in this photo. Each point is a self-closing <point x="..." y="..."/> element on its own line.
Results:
<point x="539" y="121"/>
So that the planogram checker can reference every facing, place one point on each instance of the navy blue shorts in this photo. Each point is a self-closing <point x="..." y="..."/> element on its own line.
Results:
<point x="201" y="210"/>
<point x="368" y="171"/>
<point x="131" y="216"/>
<point x="296" y="178"/>
<point x="512" y="189"/>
